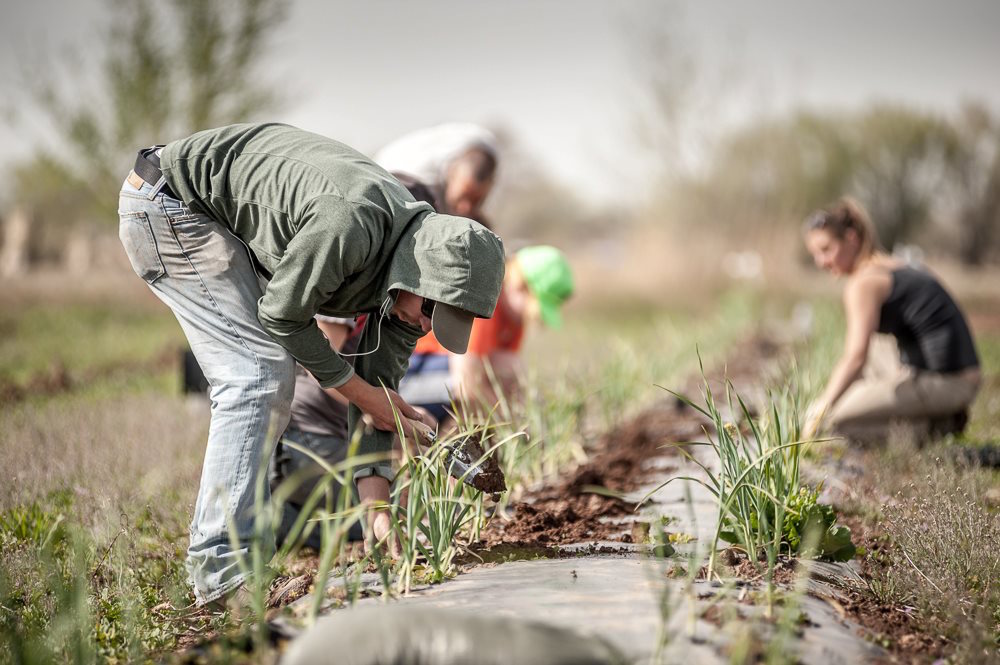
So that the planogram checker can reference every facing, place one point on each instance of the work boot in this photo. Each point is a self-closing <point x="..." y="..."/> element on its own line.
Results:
<point x="239" y="603"/>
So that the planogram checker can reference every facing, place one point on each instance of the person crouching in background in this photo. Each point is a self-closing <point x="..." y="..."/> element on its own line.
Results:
<point x="936" y="376"/>
<point x="537" y="283"/>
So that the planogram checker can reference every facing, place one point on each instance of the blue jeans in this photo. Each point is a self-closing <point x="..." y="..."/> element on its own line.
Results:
<point x="204" y="274"/>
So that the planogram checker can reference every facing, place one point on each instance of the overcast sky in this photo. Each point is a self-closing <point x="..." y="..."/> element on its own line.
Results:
<point x="562" y="75"/>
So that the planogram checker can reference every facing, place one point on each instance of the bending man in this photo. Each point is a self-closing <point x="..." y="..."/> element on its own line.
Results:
<point x="205" y="220"/>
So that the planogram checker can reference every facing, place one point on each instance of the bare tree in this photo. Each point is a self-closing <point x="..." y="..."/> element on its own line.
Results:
<point x="906" y="166"/>
<point x="170" y="69"/>
<point x="667" y="76"/>
<point x="902" y="160"/>
<point x="977" y="195"/>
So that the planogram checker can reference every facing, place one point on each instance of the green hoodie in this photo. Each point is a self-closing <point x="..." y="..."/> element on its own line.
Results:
<point x="334" y="234"/>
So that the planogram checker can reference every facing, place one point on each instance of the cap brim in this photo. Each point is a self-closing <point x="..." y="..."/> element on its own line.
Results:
<point x="452" y="327"/>
<point x="551" y="313"/>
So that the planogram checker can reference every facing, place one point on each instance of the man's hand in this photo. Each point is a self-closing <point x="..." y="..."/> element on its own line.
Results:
<point x="413" y="419"/>
<point x="374" y="493"/>
<point x="382" y="405"/>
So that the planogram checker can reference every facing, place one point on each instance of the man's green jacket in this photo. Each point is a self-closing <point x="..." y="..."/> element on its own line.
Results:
<point x="333" y="233"/>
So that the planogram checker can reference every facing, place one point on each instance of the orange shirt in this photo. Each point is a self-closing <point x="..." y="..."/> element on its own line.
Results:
<point x="428" y="344"/>
<point x="502" y="332"/>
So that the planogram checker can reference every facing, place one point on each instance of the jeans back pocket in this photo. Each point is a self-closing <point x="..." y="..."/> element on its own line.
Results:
<point x="137" y="238"/>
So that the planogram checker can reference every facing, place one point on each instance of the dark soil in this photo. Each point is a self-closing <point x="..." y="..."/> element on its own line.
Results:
<point x="569" y="511"/>
<point x="894" y="627"/>
<point x="732" y="562"/>
<point x="490" y="479"/>
<point x="573" y="510"/>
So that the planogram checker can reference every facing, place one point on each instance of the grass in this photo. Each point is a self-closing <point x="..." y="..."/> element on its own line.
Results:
<point x="112" y="465"/>
<point x="78" y="580"/>
<point x="437" y="510"/>
<point x="943" y="560"/>
<point x="335" y="515"/>
<point x="112" y="454"/>
<point x="82" y="340"/>
<point x="66" y="597"/>
<point x="98" y="485"/>
<point x="984" y="418"/>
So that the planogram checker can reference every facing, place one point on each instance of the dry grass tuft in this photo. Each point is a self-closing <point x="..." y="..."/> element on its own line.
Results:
<point x="147" y="448"/>
<point x="942" y="558"/>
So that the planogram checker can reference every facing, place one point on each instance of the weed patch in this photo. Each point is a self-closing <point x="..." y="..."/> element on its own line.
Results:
<point x="942" y="560"/>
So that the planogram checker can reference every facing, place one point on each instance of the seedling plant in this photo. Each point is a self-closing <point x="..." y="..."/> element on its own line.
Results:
<point x="433" y="510"/>
<point x="756" y="481"/>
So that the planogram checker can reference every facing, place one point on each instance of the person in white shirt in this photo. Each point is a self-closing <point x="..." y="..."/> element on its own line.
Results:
<point x="457" y="162"/>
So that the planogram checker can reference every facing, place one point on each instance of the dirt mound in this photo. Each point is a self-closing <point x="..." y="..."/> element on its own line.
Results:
<point x="573" y="510"/>
<point x="570" y="511"/>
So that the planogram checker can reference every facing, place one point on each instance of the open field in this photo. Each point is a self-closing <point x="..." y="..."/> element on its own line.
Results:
<point x="714" y="459"/>
<point x="101" y="468"/>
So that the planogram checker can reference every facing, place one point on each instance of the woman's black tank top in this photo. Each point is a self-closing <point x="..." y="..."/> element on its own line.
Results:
<point x="931" y="331"/>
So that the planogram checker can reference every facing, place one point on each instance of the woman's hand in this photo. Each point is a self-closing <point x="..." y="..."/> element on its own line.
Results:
<point x="814" y="419"/>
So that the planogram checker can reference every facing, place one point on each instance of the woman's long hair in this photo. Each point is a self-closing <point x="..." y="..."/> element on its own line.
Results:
<point x="846" y="214"/>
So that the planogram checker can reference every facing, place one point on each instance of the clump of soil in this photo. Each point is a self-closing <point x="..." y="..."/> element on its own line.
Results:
<point x="572" y="520"/>
<point x="896" y="628"/>
<point x="490" y="479"/>
<point x="733" y="562"/>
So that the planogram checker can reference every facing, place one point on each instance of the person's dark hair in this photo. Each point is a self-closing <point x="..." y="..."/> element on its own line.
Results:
<point x="484" y="220"/>
<point x="422" y="192"/>
<point x="417" y="189"/>
<point x="482" y="163"/>
<point x="845" y="214"/>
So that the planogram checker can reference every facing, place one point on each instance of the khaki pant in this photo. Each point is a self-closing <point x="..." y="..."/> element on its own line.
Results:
<point x="889" y="392"/>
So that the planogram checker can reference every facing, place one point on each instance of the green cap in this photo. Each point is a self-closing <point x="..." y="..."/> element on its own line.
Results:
<point x="547" y="273"/>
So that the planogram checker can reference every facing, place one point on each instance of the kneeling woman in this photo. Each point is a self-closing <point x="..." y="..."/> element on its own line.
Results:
<point x="937" y="374"/>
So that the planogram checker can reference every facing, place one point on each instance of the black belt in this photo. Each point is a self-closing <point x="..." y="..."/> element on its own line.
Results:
<point x="147" y="167"/>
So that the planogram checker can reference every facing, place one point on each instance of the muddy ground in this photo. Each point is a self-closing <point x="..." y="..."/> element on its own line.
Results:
<point x="569" y="511"/>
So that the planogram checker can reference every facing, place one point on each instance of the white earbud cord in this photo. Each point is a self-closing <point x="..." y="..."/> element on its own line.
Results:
<point x="382" y="313"/>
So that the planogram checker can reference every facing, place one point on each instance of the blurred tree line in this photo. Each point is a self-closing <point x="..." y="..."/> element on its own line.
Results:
<point x="168" y="69"/>
<point x="173" y="67"/>
<point x="530" y="206"/>
<point x="925" y="178"/>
